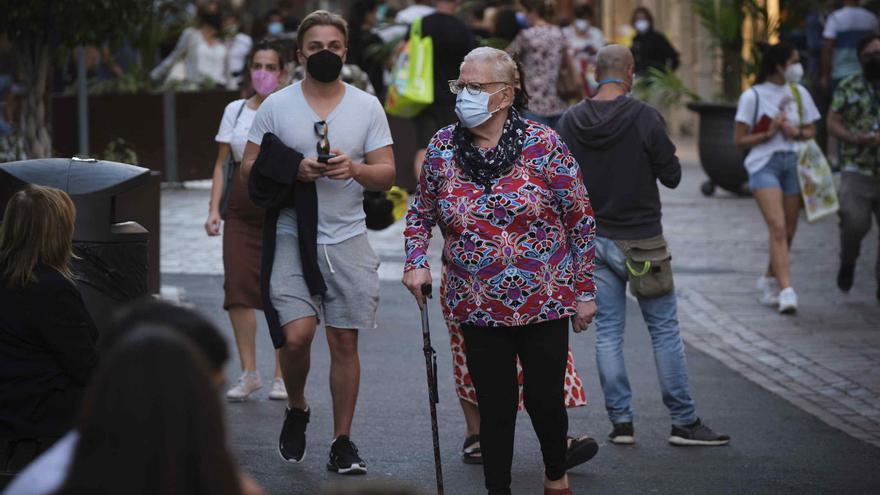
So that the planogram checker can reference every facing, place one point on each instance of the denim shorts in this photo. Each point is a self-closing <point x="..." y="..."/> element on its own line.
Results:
<point x="780" y="172"/>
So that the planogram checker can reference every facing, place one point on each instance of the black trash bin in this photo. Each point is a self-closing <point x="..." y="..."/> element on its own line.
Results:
<point x="111" y="262"/>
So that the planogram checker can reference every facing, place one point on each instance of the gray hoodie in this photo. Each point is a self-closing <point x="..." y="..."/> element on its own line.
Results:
<point x="623" y="149"/>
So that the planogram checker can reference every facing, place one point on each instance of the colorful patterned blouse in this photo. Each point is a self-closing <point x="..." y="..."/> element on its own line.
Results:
<point x="520" y="255"/>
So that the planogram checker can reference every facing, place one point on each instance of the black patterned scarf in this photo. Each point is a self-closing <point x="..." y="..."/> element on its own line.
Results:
<point x="485" y="168"/>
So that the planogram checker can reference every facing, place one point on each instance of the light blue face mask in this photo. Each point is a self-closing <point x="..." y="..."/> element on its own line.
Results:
<point x="473" y="110"/>
<point x="275" y="28"/>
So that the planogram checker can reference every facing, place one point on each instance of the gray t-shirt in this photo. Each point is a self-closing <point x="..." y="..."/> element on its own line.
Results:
<point x="357" y="126"/>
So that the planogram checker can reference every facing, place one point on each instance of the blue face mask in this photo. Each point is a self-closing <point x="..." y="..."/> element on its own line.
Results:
<point x="522" y="19"/>
<point x="275" y="28"/>
<point x="473" y="110"/>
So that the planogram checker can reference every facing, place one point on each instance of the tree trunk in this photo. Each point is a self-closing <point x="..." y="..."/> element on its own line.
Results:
<point x="34" y="63"/>
<point x="732" y="74"/>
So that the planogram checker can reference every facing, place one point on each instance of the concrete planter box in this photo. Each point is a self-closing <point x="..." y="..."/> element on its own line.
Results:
<point x="139" y="119"/>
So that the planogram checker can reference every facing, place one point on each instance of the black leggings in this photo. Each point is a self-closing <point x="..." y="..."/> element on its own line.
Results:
<point x="491" y="359"/>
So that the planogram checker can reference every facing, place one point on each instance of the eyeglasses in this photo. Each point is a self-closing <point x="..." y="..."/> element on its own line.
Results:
<point x="322" y="128"/>
<point x="474" y="88"/>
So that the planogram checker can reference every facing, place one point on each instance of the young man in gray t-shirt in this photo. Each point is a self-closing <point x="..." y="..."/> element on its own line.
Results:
<point x="361" y="140"/>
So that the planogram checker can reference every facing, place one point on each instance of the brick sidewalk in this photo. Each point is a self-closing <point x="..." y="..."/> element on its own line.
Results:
<point x="825" y="360"/>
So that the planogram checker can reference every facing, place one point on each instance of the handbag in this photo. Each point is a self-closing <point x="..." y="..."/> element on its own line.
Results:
<point x="229" y="169"/>
<point x="570" y="84"/>
<point x="649" y="266"/>
<point x="413" y="86"/>
<point x="814" y="176"/>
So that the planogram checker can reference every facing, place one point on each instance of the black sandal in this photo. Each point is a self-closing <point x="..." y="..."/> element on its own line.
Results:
<point x="469" y="453"/>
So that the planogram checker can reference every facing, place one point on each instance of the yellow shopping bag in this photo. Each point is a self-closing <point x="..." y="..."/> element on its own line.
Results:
<point x="413" y="86"/>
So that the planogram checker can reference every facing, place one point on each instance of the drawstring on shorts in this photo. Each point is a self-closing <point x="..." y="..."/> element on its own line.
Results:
<point x="327" y="258"/>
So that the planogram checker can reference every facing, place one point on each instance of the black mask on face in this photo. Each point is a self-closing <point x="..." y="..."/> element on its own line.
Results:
<point x="324" y="66"/>
<point x="871" y="67"/>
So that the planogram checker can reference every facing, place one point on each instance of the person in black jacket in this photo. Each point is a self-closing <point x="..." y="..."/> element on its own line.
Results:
<point x="623" y="150"/>
<point x="649" y="47"/>
<point x="47" y="337"/>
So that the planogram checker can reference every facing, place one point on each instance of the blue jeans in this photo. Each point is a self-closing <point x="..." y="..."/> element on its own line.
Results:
<point x="662" y="320"/>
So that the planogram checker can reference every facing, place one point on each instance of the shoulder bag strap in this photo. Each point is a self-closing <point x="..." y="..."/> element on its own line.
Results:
<point x="757" y="101"/>
<point x="799" y="99"/>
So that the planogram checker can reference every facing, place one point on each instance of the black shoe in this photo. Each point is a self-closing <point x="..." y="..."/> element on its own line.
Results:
<point x="696" y="434"/>
<point x="845" y="277"/>
<point x="292" y="443"/>
<point x="469" y="453"/>
<point x="580" y="450"/>
<point x="344" y="458"/>
<point x="622" y="434"/>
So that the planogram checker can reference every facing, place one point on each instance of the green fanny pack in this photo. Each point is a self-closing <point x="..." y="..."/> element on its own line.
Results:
<point x="648" y="266"/>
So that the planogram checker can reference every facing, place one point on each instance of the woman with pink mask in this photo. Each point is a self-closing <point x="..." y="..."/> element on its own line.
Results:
<point x="243" y="223"/>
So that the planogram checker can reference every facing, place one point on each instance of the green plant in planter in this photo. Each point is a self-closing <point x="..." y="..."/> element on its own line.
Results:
<point x="119" y="151"/>
<point x="663" y="88"/>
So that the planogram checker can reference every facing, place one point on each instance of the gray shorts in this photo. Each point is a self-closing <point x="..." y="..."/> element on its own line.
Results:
<point x="350" y="270"/>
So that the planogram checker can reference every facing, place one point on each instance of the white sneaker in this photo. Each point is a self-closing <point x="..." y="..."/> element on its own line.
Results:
<point x="769" y="288"/>
<point x="248" y="382"/>
<point x="278" y="391"/>
<point x="787" y="301"/>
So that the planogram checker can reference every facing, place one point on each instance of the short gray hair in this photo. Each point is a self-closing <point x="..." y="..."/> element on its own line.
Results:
<point x="613" y="59"/>
<point x="498" y="61"/>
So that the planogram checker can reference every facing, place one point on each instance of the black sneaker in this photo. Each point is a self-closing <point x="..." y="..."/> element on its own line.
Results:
<point x="696" y="434"/>
<point x="622" y="434"/>
<point x="344" y="458"/>
<point x="292" y="443"/>
<point x="580" y="450"/>
<point x="845" y="276"/>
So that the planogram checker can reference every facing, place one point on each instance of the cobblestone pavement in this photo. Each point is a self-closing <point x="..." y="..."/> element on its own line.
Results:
<point x="825" y="360"/>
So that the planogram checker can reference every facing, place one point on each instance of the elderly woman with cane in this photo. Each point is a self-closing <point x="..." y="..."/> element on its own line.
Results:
<point x="518" y="232"/>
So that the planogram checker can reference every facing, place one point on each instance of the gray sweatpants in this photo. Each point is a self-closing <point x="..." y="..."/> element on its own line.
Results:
<point x="859" y="197"/>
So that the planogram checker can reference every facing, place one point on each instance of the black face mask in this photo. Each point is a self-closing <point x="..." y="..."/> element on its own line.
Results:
<point x="324" y="66"/>
<point x="871" y="68"/>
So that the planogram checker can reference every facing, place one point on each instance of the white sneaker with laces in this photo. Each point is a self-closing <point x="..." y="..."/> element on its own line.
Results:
<point x="248" y="382"/>
<point x="787" y="301"/>
<point x="278" y="391"/>
<point x="769" y="288"/>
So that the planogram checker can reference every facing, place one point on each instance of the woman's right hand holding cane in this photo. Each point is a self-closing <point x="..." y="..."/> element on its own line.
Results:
<point x="414" y="280"/>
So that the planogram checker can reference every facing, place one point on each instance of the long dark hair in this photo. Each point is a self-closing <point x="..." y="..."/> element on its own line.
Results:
<point x="184" y="321"/>
<point x="151" y="424"/>
<point x="260" y="46"/>
<point x="772" y="56"/>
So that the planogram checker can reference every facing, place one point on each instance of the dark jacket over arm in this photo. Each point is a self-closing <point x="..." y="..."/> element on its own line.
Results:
<point x="272" y="185"/>
<point x="47" y="353"/>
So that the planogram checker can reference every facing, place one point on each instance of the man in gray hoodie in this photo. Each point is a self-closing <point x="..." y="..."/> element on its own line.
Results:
<point x="623" y="149"/>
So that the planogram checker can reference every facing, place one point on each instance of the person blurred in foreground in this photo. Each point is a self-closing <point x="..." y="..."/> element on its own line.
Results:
<point x="152" y="423"/>
<point x="46" y="474"/>
<point x="47" y="337"/>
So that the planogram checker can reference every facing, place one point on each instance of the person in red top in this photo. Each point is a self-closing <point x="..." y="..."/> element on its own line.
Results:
<point x="518" y="231"/>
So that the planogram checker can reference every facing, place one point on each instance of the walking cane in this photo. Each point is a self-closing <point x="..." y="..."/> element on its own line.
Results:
<point x="433" y="395"/>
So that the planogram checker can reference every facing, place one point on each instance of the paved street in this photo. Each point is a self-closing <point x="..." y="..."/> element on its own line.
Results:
<point x="800" y="395"/>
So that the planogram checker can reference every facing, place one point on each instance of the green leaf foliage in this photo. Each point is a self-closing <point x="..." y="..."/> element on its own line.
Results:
<point x="72" y="22"/>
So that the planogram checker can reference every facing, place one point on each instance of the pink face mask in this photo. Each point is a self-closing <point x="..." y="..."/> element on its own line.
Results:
<point x="264" y="81"/>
